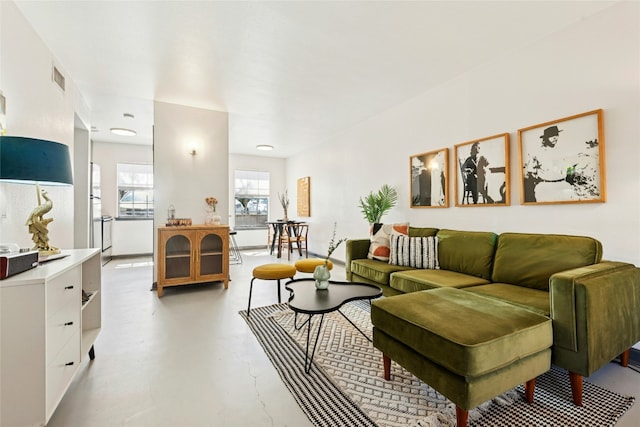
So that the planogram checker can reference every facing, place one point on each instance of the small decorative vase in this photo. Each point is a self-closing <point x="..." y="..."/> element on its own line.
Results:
<point x="322" y="276"/>
<point x="216" y="219"/>
<point x="286" y="217"/>
<point x="209" y="219"/>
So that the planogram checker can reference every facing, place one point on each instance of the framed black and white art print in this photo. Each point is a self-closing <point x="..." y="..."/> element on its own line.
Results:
<point x="562" y="161"/>
<point x="482" y="177"/>
<point x="429" y="174"/>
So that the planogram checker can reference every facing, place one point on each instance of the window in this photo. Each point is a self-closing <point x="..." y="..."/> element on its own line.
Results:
<point x="135" y="190"/>
<point x="251" y="199"/>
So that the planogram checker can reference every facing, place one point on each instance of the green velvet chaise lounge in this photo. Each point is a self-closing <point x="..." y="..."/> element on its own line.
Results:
<point x="594" y="305"/>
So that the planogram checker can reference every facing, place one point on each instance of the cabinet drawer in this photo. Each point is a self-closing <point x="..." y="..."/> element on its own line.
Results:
<point x="60" y="327"/>
<point x="60" y="372"/>
<point x="64" y="288"/>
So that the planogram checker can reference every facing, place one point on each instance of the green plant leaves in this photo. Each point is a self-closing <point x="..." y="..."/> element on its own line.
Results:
<point x="375" y="205"/>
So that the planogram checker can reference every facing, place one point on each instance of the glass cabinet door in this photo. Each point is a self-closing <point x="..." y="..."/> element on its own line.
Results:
<point x="178" y="257"/>
<point x="210" y="254"/>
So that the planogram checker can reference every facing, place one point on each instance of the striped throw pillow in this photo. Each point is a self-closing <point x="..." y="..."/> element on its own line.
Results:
<point x="417" y="252"/>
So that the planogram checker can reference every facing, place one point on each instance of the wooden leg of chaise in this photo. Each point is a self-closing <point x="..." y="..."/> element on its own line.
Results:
<point x="386" y="361"/>
<point x="529" y="390"/>
<point x="462" y="417"/>
<point x="576" y="387"/>
<point x="624" y="357"/>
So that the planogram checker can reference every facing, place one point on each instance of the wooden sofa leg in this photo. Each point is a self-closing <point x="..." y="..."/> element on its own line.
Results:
<point x="576" y="387"/>
<point x="624" y="357"/>
<point x="462" y="417"/>
<point x="529" y="390"/>
<point x="386" y="361"/>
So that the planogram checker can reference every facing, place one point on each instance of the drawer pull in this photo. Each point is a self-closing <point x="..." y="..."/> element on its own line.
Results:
<point x="69" y="364"/>
<point x="69" y="287"/>
<point x="68" y="323"/>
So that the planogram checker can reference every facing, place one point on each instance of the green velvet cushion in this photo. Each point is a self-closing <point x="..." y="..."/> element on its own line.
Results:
<point x="530" y="259"/>
<point x="532" y="299"/>
<point x="468" y="252"/>
<point x="421" y="280"/>
<point x="422" y="231"/>
<point x="377" y="271"/>
<point x="465" y="392"/>
<point x="468" y="334"/>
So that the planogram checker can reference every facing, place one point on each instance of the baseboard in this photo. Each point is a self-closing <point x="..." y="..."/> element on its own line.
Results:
<point x="130" y="256"/>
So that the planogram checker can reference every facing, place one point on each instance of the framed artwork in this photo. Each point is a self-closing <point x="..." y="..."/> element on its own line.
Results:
<point x="562" y="161"/>
<point x="304" y="196"/>
<point x="482" y="177"/>
<point x="429" y="174"/>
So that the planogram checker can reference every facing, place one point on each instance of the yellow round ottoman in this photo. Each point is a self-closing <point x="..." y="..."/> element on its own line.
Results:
<point x="310" y="264"/>
<point x="271" y="272"/>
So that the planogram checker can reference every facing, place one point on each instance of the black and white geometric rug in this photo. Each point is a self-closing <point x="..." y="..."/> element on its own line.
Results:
<point x="345" y="386"/>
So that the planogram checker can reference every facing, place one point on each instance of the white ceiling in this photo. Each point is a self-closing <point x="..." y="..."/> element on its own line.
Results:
<point x="290" y="73"/>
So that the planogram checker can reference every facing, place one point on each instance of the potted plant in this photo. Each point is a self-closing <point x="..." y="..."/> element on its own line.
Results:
<point x="375" y="205"/>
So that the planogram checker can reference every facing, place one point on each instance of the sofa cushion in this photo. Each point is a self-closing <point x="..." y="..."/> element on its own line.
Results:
<point x="421" y="280"/>
<point x="530" y="259"/>
<point x="422" y="231"/>
<point x="468" y="334"/>
<point x="533" y="299"/>
<point x="377" y="271"/>
<point x="379" y="247"/>
<point x="467" y="252"/>
<point x="417" y="252"/>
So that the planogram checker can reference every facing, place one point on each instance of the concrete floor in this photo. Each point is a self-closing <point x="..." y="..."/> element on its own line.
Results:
<point x="189" y="359"/>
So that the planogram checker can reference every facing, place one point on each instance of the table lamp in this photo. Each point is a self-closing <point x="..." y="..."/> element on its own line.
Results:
<point x="36" y="161"/>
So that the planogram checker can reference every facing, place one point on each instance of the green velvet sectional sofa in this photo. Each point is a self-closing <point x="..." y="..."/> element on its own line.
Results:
<point x="594" y="305"/>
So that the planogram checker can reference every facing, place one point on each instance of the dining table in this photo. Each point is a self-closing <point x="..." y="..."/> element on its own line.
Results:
<point x="278" y="230"/>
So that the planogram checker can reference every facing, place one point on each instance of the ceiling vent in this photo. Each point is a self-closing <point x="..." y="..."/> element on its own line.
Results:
<point x="58" y="78"/>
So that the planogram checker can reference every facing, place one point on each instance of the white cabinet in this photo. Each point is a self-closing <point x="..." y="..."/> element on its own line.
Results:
<point x="49" y="319"/>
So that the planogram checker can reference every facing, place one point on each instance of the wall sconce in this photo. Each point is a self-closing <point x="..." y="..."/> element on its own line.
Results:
<point x="193" y="151"/>
<point x="36" y="161"/>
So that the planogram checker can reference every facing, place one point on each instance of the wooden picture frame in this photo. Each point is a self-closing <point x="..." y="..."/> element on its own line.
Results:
<point x="482" y="167"/>
<point x="304" y="196"/>
<point x="429" y="175"/>
<point x="562" y="161"/>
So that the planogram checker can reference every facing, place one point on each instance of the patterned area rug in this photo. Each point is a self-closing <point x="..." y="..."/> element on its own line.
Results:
<point x="345" y="386"/>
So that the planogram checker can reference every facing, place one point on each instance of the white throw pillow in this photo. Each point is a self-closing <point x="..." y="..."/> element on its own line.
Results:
<point x="379" y="246"/>
<point x="417" y="252"/>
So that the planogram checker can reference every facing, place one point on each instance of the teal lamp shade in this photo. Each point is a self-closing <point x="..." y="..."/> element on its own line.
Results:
<point x="30" y="161"/>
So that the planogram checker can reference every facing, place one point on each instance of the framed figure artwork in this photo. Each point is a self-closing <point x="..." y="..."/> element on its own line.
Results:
<point x="429" y="174"/>
<point x="562" y="161"/>
<point x="482" y="177"/>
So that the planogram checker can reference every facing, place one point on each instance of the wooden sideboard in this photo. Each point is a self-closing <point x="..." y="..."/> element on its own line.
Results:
<point x="46" y="329"/>
<point x="192" y="254"/>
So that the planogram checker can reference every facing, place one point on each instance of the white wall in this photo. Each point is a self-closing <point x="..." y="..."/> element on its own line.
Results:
<point x="182" y="179"/>
<point x="130" y="236"/>
<point x="592" y="64"/>
<point x="276" y="169"/>
<point x="36" y="108"/>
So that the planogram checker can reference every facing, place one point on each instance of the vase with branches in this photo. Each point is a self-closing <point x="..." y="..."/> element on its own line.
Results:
<point x="284" y="201"/>
<point x="321" y="273"/>
<point x="375" y="205"/>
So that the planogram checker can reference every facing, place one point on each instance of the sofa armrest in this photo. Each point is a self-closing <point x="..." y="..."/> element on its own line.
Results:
<point x="355" y="249"/>
<point x="595" y="312"/>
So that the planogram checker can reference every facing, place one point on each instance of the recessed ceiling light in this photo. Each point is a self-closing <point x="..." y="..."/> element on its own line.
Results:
<point x="123" y="131"/>
<point x="264" y="147"/>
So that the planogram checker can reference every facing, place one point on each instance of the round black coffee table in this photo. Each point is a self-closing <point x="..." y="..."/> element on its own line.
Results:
<point x="306" y="299"/>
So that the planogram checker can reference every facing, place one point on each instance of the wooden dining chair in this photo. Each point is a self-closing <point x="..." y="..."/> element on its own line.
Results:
<point x="295" y="234"/>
